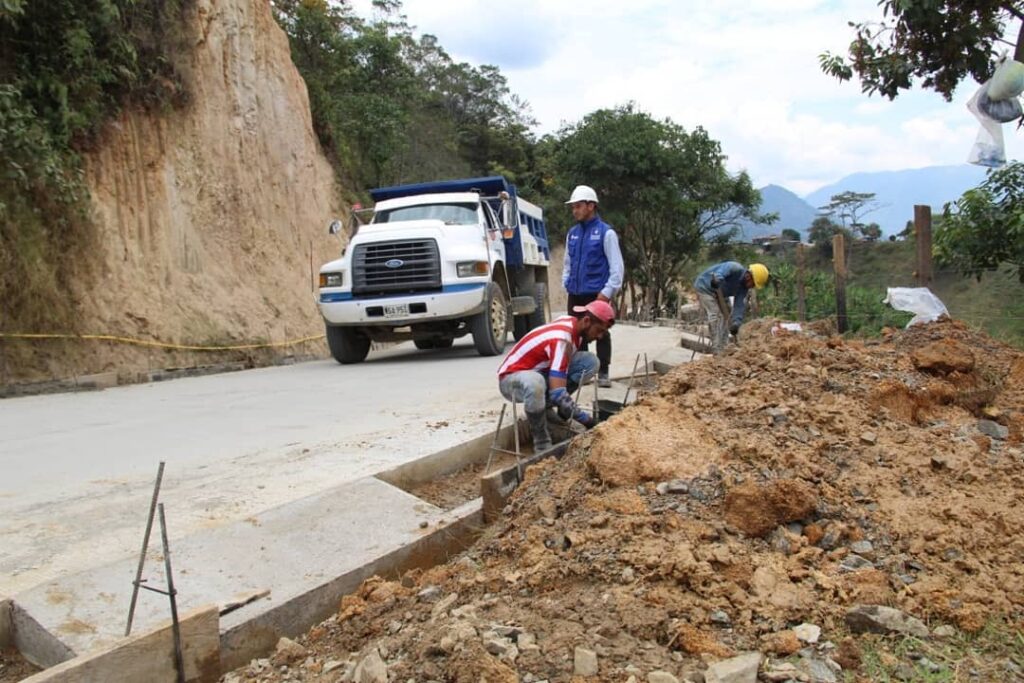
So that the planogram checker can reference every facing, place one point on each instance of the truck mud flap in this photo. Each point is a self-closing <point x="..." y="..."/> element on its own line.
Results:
<point x="523" y="305"/>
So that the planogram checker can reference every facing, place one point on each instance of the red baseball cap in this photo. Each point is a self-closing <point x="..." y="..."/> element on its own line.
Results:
<point x="602" y="310"/>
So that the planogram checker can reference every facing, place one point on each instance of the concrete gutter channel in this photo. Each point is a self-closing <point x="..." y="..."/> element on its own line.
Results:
<point x="307" y="554"/>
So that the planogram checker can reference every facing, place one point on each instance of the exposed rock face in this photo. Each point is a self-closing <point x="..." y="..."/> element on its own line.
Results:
<point x="210" y="215"/>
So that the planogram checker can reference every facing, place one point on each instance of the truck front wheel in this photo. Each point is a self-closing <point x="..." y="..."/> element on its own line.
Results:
<point x="347" y="345"/>
<point x="490" y="327"/>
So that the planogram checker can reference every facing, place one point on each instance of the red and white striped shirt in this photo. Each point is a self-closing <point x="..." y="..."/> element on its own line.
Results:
<point x="546" y="349"/>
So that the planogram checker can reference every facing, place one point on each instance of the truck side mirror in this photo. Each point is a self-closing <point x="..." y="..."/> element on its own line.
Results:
<point x="334" y="228"/>
<point x="506" y="215"/>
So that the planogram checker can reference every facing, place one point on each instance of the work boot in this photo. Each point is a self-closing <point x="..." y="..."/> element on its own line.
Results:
<point x="603" y="380"/>
<point x="539" y="429"/>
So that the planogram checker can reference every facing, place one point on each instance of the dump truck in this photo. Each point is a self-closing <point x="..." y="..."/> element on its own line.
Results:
<point x="437" y="261"/>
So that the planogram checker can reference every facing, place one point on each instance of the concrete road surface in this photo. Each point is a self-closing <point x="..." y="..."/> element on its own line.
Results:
<point x="77" y="470"/>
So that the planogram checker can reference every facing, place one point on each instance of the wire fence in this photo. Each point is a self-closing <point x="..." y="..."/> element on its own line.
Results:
<point x="813" y="283"/>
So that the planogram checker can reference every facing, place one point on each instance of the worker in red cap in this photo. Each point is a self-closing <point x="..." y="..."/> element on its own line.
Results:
<point x="546" y="366"/>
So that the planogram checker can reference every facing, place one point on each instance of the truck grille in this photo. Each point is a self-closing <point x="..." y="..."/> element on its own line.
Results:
<point x="402" y="266"/>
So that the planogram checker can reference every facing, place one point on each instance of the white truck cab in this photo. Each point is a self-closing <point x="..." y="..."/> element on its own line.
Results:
<point x="438" y="261"/>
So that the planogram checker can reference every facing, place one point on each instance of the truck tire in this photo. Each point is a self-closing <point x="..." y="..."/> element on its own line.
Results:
<point x="347" y="345"/>
<point x="540" y="316"/>
<point x="490" y="327"/>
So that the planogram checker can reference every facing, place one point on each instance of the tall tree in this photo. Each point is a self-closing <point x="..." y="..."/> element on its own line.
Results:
<point x="940" y="42"/>
<point x="850" y="208"/>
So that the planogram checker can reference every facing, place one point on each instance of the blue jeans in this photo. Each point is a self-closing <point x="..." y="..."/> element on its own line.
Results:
<point x="530" y="387"/>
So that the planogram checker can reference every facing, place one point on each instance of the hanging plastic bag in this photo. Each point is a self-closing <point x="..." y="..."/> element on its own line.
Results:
<point x="1002" y="111"/>
<point x="1007" y="81"/>
<point x="926" y="307"/>
<point x="989" y="148"/>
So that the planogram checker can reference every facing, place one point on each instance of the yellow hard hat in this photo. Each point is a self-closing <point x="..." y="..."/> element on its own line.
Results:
<point x="760" y="274"/>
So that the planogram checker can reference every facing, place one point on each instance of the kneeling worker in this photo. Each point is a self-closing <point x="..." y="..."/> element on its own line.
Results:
<point x="728" y="279"/>
<point x="545" y="367"/>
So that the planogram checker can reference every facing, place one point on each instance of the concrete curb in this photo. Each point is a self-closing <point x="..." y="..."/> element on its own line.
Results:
<point x="106" y="380"/>
<point x="254" y="636"/>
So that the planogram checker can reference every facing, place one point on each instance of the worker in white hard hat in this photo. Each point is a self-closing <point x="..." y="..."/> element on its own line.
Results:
<point x="593" y="266"/>
<point x="716" y="285"/>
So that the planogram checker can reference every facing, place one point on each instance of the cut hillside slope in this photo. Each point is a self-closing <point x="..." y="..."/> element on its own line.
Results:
<point x="793" y="484"/>
<point x="209" y="217"/>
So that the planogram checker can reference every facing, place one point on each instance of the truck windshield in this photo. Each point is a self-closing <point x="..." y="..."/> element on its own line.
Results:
<point x="451" y="214"/>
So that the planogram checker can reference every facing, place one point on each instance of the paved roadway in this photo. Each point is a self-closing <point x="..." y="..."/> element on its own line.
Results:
<point x="77" y="470"/>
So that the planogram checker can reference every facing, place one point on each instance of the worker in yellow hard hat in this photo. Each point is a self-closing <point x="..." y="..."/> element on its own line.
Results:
<point x="716" y="285"/>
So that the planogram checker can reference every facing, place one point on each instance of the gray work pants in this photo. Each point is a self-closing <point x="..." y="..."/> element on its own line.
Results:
<point x="717" y="322"/>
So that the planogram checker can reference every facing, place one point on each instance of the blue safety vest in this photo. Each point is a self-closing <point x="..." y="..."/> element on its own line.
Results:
<point x="588" y="266"/>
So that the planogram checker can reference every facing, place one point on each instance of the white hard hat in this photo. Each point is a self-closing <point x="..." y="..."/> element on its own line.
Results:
<point x="583" y="193"/>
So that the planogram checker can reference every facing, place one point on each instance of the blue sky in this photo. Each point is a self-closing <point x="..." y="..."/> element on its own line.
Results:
<point x="746" y="70"/>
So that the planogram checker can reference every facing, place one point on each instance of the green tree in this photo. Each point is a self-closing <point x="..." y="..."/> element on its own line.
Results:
<point x="872" y="232"/>
<point x="790" y="235"/>
<point x="821" y="232"/>
<point x="390" y="108"/>
<point x="665" y="189"/>
<point x="985" y="227"/>
<point x="940" y="42"/>
<point x="822" y="229"/>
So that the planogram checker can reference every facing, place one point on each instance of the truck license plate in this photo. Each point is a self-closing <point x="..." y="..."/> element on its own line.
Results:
<point x="396" y="311"/>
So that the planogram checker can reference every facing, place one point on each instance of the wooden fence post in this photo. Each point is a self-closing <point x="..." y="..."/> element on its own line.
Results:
<point x="801" y="300"/>
<point x="923" y="236"/>
<point x="839" y="265"/>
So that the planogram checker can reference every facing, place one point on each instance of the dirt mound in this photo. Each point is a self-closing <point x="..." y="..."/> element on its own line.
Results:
<point x="809" y="475"/>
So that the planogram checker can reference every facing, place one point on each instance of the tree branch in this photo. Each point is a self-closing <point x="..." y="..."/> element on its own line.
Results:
<point x="1018" y="54"/>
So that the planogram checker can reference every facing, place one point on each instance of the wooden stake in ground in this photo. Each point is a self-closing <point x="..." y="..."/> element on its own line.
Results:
<point x="801" y="303"/>
<point x="839" y="265"/>
<point x="923" y="236"/>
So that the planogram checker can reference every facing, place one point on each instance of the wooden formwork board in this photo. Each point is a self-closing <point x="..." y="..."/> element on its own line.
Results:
<point x="149" y="657"/>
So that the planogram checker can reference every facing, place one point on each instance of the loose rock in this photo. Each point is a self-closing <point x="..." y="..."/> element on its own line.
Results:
<point x="881" y="619"/>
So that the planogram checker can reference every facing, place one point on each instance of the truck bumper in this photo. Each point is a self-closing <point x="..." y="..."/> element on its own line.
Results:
<point x="454" y="301"/>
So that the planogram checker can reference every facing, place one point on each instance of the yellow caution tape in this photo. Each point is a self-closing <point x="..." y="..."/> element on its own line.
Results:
<point x="157" y="344"/>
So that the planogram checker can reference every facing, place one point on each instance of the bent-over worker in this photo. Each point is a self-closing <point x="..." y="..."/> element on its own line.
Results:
<point x="714" y="288"/>
<point x="545" y="367"/>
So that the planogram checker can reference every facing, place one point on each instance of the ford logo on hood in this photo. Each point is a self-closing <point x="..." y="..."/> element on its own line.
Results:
<point x="394" y="263"/>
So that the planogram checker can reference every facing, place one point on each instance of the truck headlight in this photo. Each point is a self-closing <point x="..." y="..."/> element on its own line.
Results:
<point x="332" y="279"/>
<point x="471" y="268"/>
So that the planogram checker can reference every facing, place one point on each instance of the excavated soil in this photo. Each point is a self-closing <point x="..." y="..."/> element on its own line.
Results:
<point x="14" y="667"/>
<point x="463" y="485"/>
<point x="781" y="484"/>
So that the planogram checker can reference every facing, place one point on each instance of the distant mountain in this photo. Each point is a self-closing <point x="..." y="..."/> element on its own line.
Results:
<point x="793" y="213"/>
<point x="898" y="191"/>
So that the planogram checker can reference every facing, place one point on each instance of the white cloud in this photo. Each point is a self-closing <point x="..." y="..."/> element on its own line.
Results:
<point x="746" y="70"/>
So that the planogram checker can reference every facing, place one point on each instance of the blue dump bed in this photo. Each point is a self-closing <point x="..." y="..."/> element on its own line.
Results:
<point x="488" y="187"/>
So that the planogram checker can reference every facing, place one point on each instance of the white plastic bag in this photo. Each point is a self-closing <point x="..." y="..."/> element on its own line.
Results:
<point x="989" y="149"/>
<point x="926" y="307"/>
